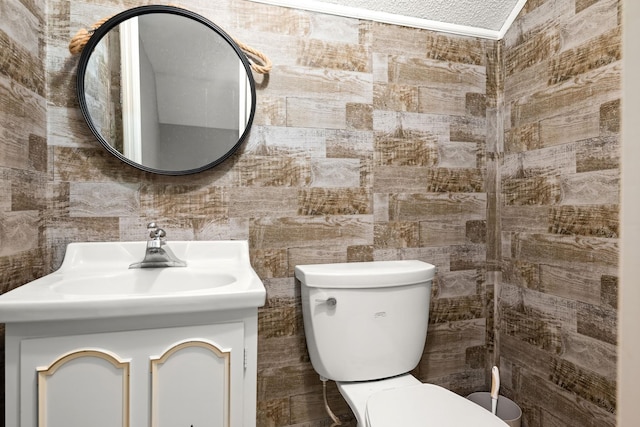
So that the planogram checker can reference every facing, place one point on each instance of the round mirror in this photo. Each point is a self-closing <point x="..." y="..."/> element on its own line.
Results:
<point x="166" y="90"/>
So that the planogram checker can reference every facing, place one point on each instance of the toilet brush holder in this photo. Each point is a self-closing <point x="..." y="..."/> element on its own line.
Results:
<point x="507" y="410"/>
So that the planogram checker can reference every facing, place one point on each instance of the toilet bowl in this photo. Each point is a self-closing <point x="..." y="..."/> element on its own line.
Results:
<point x="366" y="325"/>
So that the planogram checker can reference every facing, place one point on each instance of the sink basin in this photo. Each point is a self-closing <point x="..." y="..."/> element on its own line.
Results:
<point x="94" y="281"/>
<point x="148" y="281"/>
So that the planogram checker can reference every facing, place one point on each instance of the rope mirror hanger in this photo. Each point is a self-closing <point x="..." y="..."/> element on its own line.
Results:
<point x="258" y="61"/>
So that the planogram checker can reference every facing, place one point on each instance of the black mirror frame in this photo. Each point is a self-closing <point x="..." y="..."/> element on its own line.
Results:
<point x="143" y="10"/>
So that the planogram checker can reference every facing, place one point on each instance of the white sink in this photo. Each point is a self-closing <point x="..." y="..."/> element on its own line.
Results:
<point x="94" y="281"/>
<point x="147" y="281"/>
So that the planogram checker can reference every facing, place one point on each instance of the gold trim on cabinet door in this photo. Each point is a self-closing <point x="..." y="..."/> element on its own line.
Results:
<point x="157" y="361"/>
<point x="44" y="373"/>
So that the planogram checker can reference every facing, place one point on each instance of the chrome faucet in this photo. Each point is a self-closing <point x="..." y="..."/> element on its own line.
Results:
<point x="158" y="254"/>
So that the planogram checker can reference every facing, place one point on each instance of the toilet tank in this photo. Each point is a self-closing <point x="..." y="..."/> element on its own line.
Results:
<point x="365" y="320"/>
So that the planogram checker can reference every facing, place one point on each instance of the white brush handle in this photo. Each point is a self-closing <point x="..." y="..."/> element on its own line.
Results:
<point x="495" y="388"/>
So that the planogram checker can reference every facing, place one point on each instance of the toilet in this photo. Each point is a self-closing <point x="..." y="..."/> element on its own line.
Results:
<point x="366" y="325"/>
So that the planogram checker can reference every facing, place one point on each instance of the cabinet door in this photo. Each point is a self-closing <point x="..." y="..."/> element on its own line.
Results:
<point x="190" y="385"/>
<point x="73" y="381"/>
<point x="87" y="387"/>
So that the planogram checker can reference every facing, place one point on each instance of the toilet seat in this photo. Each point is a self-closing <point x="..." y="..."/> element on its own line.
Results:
<point x="357" y="393"/>
<point x="426" y="404"/>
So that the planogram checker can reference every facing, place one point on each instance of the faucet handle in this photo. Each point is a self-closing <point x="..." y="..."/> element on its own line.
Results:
<point x="158" y="233"/>
<point x="152" y="227"/>
<point x="155" y="232"/>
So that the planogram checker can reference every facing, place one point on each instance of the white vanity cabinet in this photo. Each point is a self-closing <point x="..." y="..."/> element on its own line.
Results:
<point x="134" y="372"/>
<point x="99" y="344"/>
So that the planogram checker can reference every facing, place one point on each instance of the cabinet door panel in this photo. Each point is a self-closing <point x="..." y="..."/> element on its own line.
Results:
<point x="84" y="388"/>
<point x="190" y="386"/>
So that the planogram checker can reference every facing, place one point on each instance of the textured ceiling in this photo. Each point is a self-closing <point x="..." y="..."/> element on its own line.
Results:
<point x="482" y="18"/>
<point x="487" y="14"/>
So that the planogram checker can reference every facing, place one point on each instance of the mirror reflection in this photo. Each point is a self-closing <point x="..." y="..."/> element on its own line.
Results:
<point x="167" y="93"/>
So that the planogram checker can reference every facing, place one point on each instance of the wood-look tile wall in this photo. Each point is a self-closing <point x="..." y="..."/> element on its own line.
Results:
<point x="560" y="184"/>
<point x="23" y="147"/>
<point x="371" y="142"/>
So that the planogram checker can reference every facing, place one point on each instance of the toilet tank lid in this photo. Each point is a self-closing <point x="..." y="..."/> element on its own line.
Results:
<point x="374" y="274"/>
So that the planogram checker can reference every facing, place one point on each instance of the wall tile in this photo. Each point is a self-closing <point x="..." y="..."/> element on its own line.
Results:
<point x="335" y="173"/>
<point x="560" y="198"/>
